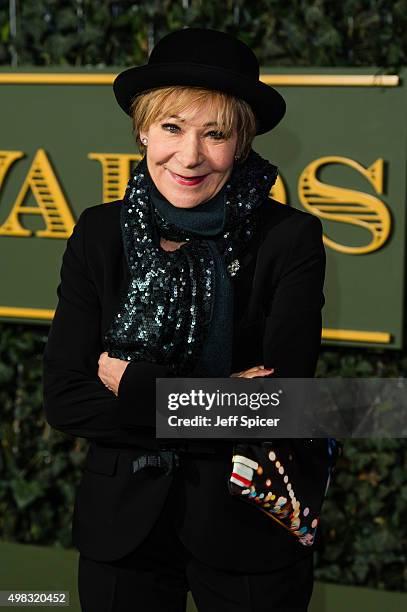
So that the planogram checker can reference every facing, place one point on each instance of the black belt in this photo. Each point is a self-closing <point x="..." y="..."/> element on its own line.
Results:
<point x="164" y="461"/>
<point x="167" y="458"/>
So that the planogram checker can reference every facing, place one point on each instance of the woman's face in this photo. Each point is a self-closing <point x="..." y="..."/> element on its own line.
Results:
<point x="188" y="158"/>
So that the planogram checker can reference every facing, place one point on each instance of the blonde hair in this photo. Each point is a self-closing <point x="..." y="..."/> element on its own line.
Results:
<point x="231" y="112"/>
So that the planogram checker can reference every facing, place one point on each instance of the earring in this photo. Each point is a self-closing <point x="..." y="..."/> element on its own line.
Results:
<point x="237" y="157"/>
<point x="144" y="141"/>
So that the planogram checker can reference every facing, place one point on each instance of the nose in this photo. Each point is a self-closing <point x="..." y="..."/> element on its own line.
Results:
<point x="190" y="154"/>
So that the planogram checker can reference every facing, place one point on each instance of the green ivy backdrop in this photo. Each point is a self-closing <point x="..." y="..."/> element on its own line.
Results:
<point x="298" y="32"/>
<point x="364" y="526"/>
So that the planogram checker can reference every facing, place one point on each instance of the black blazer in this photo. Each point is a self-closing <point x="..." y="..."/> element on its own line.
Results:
<point x="277" y="321"/>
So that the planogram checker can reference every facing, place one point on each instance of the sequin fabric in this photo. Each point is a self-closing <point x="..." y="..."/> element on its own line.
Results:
<point x="164" y="314"/>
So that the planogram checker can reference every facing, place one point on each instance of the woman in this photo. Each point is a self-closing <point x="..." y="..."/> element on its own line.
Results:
<point x="196" y="272"/>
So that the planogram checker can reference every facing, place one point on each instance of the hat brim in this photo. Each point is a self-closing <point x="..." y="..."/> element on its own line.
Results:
<point x="268" y="105"/>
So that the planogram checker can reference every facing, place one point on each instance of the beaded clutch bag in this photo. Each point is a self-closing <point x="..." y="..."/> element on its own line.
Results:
<point x="287" y="479"/>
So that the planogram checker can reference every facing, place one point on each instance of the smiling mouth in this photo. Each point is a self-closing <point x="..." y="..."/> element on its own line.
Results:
<point x="187" y="180"/>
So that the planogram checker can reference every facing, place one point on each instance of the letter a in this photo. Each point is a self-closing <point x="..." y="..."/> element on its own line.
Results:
<point x="52" y="205"/>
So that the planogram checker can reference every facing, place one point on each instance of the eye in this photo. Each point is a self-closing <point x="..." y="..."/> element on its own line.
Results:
<point x="168" y="127"/>
<point x="217" y="135"/>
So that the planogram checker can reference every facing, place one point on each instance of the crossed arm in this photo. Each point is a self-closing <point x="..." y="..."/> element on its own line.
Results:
<point x="75" y="370"/>
<point x="76" y="401"/>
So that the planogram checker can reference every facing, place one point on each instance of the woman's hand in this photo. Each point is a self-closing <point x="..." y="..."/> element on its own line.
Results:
<point x="111" y="371"/>
<point x="259" y="370"/>
<point x="170" y="245"/>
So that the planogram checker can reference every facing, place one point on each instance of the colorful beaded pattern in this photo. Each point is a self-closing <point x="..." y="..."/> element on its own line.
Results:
<point x="286" y="509"/>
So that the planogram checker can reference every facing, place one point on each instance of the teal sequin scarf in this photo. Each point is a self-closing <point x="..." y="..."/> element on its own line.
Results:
<point x="165" y="312"/>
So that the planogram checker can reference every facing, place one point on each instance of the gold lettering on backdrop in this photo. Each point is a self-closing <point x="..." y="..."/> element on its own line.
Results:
<point x="7" y="158"/>
<point x="51" y="203"/>
<point x="115" y="172"/>
<point x="347" y="205"/>
<point x="278" y="192"/>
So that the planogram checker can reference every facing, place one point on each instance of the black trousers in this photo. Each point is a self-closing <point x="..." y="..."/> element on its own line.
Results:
<point x="157" y="576"/>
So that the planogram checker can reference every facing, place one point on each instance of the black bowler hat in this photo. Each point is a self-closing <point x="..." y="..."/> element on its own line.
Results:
<point x="204" y="58"/>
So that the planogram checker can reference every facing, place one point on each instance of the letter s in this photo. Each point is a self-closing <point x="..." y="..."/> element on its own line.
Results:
<point x="347" y="205"/>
